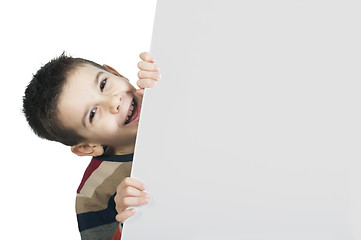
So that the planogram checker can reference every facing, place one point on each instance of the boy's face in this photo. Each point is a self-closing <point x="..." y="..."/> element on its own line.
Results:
<point x="96" y="104"/>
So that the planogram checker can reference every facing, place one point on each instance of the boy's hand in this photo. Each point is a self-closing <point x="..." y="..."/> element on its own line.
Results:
<point x="130" y="192"/>
<point x="149" y="72"/>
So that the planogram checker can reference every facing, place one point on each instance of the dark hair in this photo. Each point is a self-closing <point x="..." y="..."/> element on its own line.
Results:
<point x="42" y="95"/>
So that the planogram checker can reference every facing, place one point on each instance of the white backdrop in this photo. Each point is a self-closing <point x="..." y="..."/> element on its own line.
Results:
<point x="39" y="178"/>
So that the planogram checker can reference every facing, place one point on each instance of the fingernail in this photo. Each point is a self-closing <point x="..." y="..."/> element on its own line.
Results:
<point x="146" y="200"/>
<point x="153" y="60"/>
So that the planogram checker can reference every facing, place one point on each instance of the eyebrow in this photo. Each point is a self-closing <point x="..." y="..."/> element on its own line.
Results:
<point x="96" y="80"/>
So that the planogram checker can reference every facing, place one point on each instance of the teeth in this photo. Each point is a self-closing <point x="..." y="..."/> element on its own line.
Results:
<point x="130" y="111"/>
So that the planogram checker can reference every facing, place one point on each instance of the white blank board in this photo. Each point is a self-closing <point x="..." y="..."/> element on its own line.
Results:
<point x="254" y="132"/>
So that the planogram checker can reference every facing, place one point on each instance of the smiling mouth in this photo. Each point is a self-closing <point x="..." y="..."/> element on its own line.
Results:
<point x="133" y="113"/>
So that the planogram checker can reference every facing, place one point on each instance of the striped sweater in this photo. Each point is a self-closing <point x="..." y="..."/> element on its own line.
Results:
<point x="95" y="207"/>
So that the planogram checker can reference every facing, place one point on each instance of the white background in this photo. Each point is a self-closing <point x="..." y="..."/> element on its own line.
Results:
<point x="39" y="178"/>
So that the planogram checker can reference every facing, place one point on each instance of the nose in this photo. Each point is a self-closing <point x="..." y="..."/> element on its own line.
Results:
<point x="114" y="103"/>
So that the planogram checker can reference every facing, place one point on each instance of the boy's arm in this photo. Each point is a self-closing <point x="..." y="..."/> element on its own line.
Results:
<point x="149" y="73"/>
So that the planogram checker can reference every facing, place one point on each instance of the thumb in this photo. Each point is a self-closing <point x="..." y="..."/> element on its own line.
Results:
<point x="140" y="91"/>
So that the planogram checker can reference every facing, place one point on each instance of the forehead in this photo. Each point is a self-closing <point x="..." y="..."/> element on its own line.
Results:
<point x="79" y="82"/>
<point x="77" y="93"/>
<point x="80" y="72"/>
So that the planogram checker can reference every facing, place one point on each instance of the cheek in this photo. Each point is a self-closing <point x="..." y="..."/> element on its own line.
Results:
<point x="109" y="128"/>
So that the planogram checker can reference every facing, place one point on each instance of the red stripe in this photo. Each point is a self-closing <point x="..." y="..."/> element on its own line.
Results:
<point x="117" y="235"/>
<point x="93" y="165"/>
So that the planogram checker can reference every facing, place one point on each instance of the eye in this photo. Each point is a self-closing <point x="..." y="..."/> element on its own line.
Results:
<point x="92" y="114"/>
<point x="102" y="84"/>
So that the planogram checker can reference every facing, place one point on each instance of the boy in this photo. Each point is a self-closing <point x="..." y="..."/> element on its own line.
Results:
<point x="95" y="110"/>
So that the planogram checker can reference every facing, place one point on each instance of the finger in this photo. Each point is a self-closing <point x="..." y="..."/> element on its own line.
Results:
<point x="147" y="66"/>
<point x="133" y="192"/>
<point x="123" y="216"/>
<point x="153" y="75"/>
<point x="146" y="83"/>
<point x="145" y="56"/>
<point x="120" y="203"/>
<point x="128" y="181"/>
<point x="123" y="203"/>
<point x="133" y="201"/>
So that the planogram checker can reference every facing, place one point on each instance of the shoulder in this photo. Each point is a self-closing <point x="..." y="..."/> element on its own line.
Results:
<point x="95" y="207"/>
<point x="103" y="176"/>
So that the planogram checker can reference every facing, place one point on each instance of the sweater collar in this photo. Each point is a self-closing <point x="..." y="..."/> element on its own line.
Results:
<point x="116" y="158"/>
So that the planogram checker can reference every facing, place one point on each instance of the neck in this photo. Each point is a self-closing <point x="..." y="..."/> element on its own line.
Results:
<point x="121" y="150"/>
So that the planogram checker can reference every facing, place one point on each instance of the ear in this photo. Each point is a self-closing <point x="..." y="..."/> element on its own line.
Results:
<point x="112" y="70"/>
<point x="85" y="149"/>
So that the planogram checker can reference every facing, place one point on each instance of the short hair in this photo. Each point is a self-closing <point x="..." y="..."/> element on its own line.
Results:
<point x="42" y="95"/>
